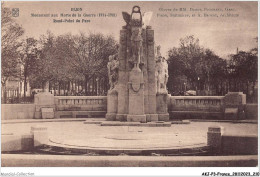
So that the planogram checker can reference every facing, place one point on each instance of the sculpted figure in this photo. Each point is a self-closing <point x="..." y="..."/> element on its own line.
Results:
<point x="127" y="18"/>
<point x="146" y="18"/>
<point x="135" y="23"/>
<point x="161" y="72"/>
<point x="112" y="67"/>
<point x="135" y="30"/>
<point x="166" y="75"/>
<point x="109" y="66"/>
<point x="158" y="51"/>
<point x="158" y="74"/>
<point x="136" y="44"/>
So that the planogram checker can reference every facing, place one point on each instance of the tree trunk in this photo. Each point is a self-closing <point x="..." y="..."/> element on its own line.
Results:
<point x="76" y="87"/>
<point x="59" y="88"/>
<point x="86" y="85"/>
<point x="46" y="86"/>
<point x="68" y="87"/>
<point x="63" y="87"/>
<point x="4" y="93"/>
<point x="54" y="87"/>
<point x="93" y="85"/>
<point x="99" y="85"/>
<point x="24" y="87"/>
<point x="254" y="96"/>
<point x="247" y="88"/>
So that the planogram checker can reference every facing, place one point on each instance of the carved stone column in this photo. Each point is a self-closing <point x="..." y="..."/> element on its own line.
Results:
<point x="122" y="107"/>
<point x="151" y="85"/>
<point x="136" y="96"/>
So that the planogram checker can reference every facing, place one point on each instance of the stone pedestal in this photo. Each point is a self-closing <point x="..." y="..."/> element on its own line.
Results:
<point x="234" y="103"/>
<point x="13" y="142"/>
<point x="121" y="117"/>
<point x="47" y="113"/>
<point x="112" y="103"/>
<point x="136" y="118"/>
<point x="151" y="117"/>
<point x="43" y="100"/>
<point x="40" y="135"/>
<point x="136" y="97"/>
<point x="214" y="138"/>
<point x="162" y="106"/>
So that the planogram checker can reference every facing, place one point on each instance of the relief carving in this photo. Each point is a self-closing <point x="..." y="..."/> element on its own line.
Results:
<point x="113" y="66"/>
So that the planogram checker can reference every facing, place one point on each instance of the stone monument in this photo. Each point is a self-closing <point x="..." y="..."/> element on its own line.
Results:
<point x="44" y="104"/>
<point x="139" y="93"/>
<point x="234" y="103"/>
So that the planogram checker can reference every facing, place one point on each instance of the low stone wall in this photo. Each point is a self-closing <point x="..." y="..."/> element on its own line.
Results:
<point x="196" y="107"/>
<point x="13" y="142"/>
<point x="239" y="145"/>
<point x="73" y="106"/>
<point x="179" y="107"/>
<point x="80" y="103"/>
<point x="17" y="111"/>
<point x="251" y="111"/>
<point x="223" y="143"/>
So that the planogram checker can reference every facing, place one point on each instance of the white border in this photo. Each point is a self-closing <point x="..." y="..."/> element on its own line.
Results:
<point x="128" y="171"/>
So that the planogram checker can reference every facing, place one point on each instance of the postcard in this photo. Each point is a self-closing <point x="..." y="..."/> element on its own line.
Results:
<point x="129" y="84"/>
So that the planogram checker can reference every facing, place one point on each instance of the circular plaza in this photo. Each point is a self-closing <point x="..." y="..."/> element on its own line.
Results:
<point x="177" y="139"/>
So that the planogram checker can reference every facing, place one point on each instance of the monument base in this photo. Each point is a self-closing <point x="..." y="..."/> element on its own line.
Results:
<point x="152" y="117"/>
<point x="37" y="115"/>
<point x="111" y="116"/>
<point x="163" y="117"/>
<point x="112" y="102"/>
<point x="43" y="100"/>
<point x="162" y="103"/>
<point x="234" y="103"/>
<point x="121" y="117"/>
<point x="136" y="118"/>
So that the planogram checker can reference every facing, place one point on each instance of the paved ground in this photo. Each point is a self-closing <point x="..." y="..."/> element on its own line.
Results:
<point x="80" y="135"/>
<point x="29" y="160"/>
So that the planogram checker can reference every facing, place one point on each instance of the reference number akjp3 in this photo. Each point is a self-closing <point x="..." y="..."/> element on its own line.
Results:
<point x="231" y="174"/>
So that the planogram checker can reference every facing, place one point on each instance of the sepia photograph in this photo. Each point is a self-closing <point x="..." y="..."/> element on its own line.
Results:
<point x="129" y="84"/>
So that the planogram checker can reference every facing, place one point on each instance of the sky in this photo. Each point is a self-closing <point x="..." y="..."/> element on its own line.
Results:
<point x="223" y="35"/>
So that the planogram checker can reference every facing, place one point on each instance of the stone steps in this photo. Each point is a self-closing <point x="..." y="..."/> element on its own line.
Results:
<point x="75" y="114"/>
<point x="138" y="124"/>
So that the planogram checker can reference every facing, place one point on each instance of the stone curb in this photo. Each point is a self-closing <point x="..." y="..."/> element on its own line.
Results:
<point x="232" y="121"/>
<point x="181" y="122"/>
<point x="43" y="120"/>
<point x="138" y="124"/>
<point x="103" y="119"/>
<point x="65" y="149"/>
<point x="23" y="160"/>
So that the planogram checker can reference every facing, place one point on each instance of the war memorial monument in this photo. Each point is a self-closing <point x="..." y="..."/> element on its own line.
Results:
<point x="139" y="94"/>
<point x="141" y="124"/>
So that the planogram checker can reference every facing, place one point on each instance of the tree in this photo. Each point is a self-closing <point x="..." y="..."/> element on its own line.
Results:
<point x="184" y="60"/>
<point x="214" y="71"/>
<point x="69" y="59"/>
<point x="245" y="67"/>
<point x="243" y="72"/>
<point x="90" y="55"/>
<point x="11" y="32"/>
<point x="28" y="55"/>
<point x="194" y="66"/>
